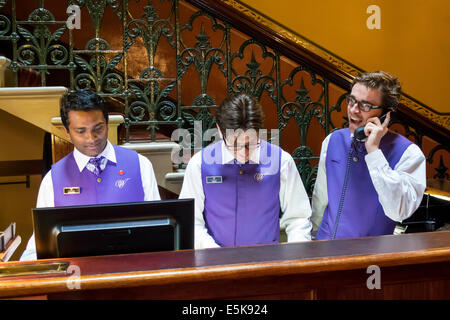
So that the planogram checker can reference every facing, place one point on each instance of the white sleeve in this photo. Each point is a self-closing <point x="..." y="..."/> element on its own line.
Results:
<point x="400" y="190"/>
<point x="30" y="251"/>
<point x="193" y="188"/>
<point x="45" y="199"/>
<point x="320" y="194"/>
<point x="294" y="202"/>
<point x="149" y="183"/>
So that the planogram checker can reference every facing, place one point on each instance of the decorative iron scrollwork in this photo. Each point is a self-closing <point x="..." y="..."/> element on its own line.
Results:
<point x="202" y="56"/>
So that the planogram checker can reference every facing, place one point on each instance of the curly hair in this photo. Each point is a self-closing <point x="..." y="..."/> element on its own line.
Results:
<point x="388" y="84"/>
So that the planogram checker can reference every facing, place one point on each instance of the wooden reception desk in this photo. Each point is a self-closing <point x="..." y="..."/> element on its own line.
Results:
<point x="411" y="266"/>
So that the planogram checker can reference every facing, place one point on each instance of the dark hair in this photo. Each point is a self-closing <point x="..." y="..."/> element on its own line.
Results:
<point x="388" y="84"/>
<point x="240" y="112"/>
<point x="83" y="100"/>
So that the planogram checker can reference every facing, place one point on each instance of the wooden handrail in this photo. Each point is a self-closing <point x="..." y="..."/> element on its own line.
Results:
<point x="277" y="41"/>
<point x="342" y="77"/>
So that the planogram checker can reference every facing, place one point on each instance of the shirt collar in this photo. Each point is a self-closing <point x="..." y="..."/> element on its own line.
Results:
<point x="228" y="157"/>
<point x="82" y="159"/>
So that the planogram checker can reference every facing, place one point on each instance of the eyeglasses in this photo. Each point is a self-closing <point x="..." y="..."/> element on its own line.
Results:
<point x="362" y="105"/>
<point x="250" y="146"/>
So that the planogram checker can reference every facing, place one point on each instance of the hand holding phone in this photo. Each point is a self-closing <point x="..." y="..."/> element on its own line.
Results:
<point x="359" y="133"/>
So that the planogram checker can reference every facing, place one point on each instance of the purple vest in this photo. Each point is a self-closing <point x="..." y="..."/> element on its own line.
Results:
<point x="120" y="182"/>
<point x="354" y="210"/>
<point x="242" y="205"/>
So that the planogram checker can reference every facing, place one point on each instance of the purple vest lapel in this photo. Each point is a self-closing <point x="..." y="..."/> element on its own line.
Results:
<point x="242" y="204"/>
<point x="120" y="182"/>
<point x="354" y="211"/>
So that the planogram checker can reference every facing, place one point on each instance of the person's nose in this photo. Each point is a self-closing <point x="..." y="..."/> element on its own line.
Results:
<point x="91" y="136"/>
<point x="355" y="108"/>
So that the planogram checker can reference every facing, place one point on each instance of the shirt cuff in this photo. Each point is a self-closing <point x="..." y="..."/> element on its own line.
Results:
<point x="376" y="159"/>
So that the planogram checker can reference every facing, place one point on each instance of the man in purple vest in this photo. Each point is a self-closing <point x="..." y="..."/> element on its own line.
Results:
<point x="365" y="186"/>
<point x="96" y="171"/>
<point x="241" y="183"/>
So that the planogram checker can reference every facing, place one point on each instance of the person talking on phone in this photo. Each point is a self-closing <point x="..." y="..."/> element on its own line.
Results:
<point x="368" y="179"/>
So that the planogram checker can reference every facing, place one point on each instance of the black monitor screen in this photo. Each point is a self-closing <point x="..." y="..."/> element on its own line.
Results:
<point x="119" y="228"/>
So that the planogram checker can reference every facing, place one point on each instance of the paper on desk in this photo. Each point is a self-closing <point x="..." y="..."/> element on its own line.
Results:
<point x="7" y="235"/>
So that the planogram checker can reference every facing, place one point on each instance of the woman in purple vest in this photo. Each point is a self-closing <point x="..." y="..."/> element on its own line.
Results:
<point x="96" y="171"/>
<point x="365" y="186"/>
<point x="242" y="183"/>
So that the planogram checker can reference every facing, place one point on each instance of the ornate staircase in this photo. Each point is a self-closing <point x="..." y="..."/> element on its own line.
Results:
<point x="174" y="61"/>
<point x="165" y="65"/>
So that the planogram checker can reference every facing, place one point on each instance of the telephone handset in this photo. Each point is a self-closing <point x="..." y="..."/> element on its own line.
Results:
<point x="359" y="133"/>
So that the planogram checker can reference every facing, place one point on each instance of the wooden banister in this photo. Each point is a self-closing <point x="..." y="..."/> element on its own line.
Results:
<point x="277" y="41"/>
<point x="304" y="52"/>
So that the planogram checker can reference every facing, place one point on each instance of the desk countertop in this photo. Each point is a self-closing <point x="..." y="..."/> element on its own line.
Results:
<point x="234" y="263"/>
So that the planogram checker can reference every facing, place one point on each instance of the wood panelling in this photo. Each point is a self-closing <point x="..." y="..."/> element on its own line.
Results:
<point x="412" y="266"/>
<point x="60" y="148"/>
<point x="20" y="167"/>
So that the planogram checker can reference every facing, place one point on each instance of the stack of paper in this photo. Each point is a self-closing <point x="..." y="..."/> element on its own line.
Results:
<point x="7" y="235"/>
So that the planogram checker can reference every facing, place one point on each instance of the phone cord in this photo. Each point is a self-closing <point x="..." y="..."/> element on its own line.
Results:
<point x="344" y="189"/>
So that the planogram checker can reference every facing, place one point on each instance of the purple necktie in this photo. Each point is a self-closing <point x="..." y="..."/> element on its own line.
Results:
<point x="96" y="162"/>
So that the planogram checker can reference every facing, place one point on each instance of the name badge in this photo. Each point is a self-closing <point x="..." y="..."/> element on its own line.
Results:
<point x="214" y="179"/>
<point x="72" y="190"/>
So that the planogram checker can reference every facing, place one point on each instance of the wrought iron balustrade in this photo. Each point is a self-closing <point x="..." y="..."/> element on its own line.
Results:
<point x="170" y="64"/>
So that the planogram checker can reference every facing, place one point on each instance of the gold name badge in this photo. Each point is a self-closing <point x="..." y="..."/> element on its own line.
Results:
<point x="72" y="190"/>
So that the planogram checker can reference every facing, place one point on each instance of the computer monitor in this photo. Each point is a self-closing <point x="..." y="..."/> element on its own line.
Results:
<point x="119" y="228"/>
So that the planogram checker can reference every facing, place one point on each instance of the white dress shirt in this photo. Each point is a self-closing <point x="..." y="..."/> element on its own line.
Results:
<point x="46" y="196"/>
<point x="400" y="190"/>
<point x="294" y="201"/>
